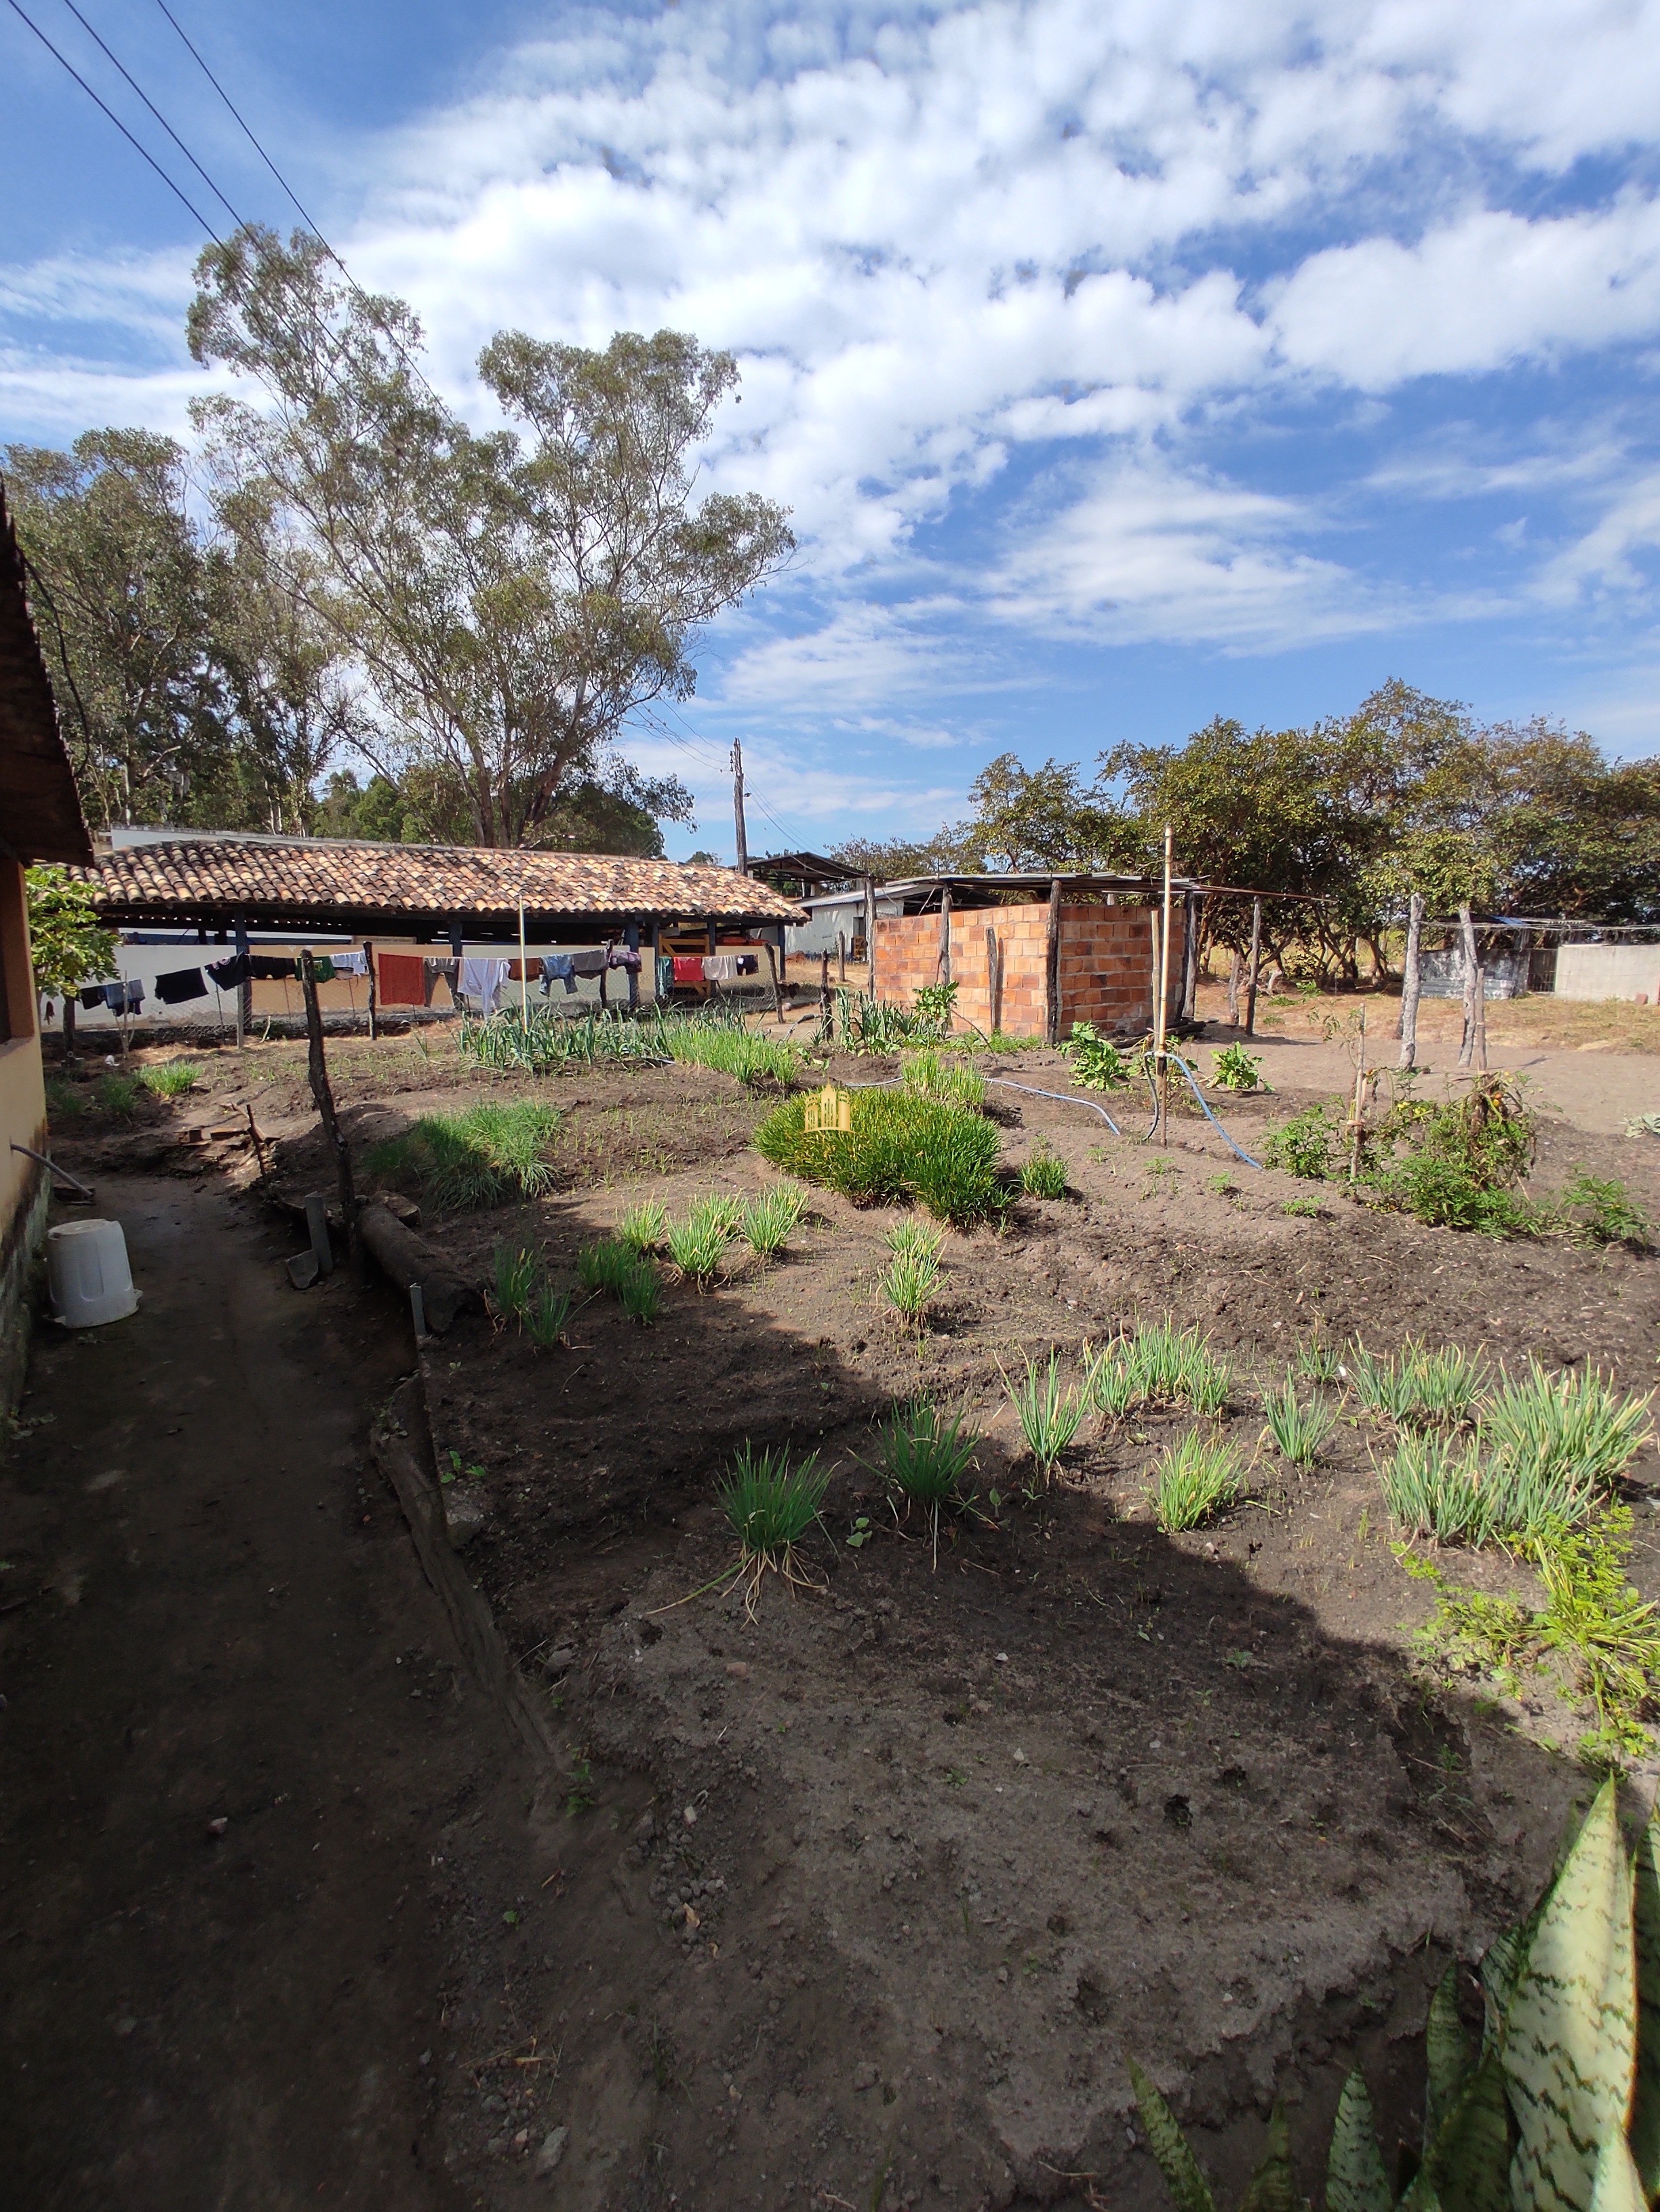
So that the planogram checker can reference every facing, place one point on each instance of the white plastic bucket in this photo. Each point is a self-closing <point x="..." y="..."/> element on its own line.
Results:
<point x="88" y="1273"/>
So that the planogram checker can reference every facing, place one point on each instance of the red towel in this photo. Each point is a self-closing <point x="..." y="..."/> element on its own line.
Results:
<point x="402" y="980"/>
<point x="689" y="971"/>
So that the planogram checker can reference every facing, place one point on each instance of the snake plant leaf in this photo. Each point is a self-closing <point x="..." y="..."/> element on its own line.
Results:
<point x="1570" y="2040"/>
<point x="1355" y="2179"/>
<point x="1645" y="1916"/>
<point x="1619" y="2186"/>
<point x="1168" y="2144"/>
<point x="1503" y="1962"/>
<point x="1447" y="2053"/>
<point x="1272" y="2189"/>
<point x="1468" y="2165"/>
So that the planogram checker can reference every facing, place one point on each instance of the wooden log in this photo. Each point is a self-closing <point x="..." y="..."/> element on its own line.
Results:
<point x="870" y="935"/>
<point x="1472" y="966"/>
<point x="405" y="1259"/>
<point x="944" y="935"/>
<point x="1189" y="955"/>
<point x="374" y="995"/>
<point x="1235" y="966"/>
<point x="1412" y="980"/>
<point x="1253" y="965"/>
<point x="1052" y="966"/>
<point x="994" y="983"/>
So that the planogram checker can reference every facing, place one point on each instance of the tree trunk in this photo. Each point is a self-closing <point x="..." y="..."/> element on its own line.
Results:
<point x="1472" y="981"/>
<point x="317" y="1069"/>
<point x="1235" y="965"/>
<point x="1411" y="980"/>
<point x="1255" y="964"/>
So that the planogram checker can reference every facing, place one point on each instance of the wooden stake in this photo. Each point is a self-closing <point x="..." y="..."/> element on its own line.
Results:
<point x="1412" y="980"/>
<point x="524" y="973"/>
<point x="944" y="964"/>
<point x="317" y="1069"/>
<point x="824" y="987"/>
<point x="1052" y="966"/>
<point x="772" y="969"/>
<point x="1471" y="966"/>
<point x="258" y="1149"/>
<point x="1161" y="1059"/>
<point x="993" y="984"/>
<point x="1235" y="967"/>
<point x="1250" y="971"/>
<point x="375" y="994"/>
<point x="841" y="958"/>
<point x="1359" y="1091"/>
<point x="870" y="935"/>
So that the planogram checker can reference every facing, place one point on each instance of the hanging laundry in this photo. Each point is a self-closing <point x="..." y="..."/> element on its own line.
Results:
<point x="624" y="955"/>
<point x="183" y="984"/>
<point x="688" y="970"/>
<point x="434" y="972"/>
<point x="556" y="969"/>
<point x="351" y="964"/>
<point x="94" y="995"/>
<point x="268" y="967"/>
<point x="748" y="964"/>
<point x="402" y="980"/>
<point x="665" y="974"/>
<point x="482" y="978"/>
<point x="720" y="967"/>
<point x="588" y="963"/>
<point x="124" y="997"/>
<point x="228" y="973"/>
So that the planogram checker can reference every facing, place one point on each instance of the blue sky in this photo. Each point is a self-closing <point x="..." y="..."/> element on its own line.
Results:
<point x="1123" y="364"/>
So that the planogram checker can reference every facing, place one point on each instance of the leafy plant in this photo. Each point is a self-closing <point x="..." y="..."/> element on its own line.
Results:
<point x="901" y="1147"/>
<point x="1434" y="1486"/>
<point x="1097" y="1062"/>
<point x="1422" y="1385"/>
<point x="912" y="1275"/>
<point x="119" y="1094"/>
<point x="477" y="1157"/>
<point x="541" y="1040"/>
<point x="1110" y="1384"/>
<point x="1603" y="1212"/>
<point x="1302" y="1209"/>
<point x="546" y="1313"/>
<point x="170" y="1079"/>
<point x="866" y="1024"/>
<point x="1044" y="1175"/>
<point x="1233" y="1068"/>
<point x="771" y="1503"/>
<point x="1559" y="2108"/>
<point x="936" y="1004"/>
<point x="1297" y="1430"/>
<point x="1049" y="1417"/>
<point x="1198" y="1477"/>
<point x="925" y="1457"/>
<point x="641" y="1291"/>
<point x="69" y="944"/>
<point x="1173" y="1367"/>
<point x="730" y="1049"/>
<point x="63" y="1099"/>
<point x="1309" y="1144"/>
<point x="1319" y="1361"/>
<point x="605" y="1266"/>
<point x="1568" y="1429"/>
<point x="515" y="1275"/>
<point x="772" y="1219"/>
<point x="642" y="1226"/>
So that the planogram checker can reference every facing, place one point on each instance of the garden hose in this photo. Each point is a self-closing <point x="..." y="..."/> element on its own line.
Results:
<point x="1236" y="1149"/>
<point x="1065" y="1098"/>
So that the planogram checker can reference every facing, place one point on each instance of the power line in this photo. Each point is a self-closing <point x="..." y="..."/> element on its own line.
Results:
<point x="247" y="128"/>
<point x="177" y="190"/>
<point x="116" y="61"/>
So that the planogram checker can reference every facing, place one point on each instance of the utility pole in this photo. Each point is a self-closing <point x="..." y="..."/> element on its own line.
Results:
<point x="738" y="807"/>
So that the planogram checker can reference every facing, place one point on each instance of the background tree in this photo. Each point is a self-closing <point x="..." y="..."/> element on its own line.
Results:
<point x="68" y="944"/>
<point x="511" y="598"/>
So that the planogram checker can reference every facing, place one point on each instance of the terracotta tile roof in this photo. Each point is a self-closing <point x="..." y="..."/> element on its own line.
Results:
<point x="314" y="878"/>
<point x="39" y="811"/>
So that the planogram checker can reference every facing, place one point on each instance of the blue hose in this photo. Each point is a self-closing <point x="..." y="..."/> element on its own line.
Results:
<point x="1211" y="1118"/>
<point x="1065" y="1098"/>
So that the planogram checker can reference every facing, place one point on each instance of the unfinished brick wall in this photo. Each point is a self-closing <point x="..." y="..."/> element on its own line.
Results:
<point x="1106" y="966"/>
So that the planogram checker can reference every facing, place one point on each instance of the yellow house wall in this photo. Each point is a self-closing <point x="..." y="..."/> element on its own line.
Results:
<point x="24" y="1193"/>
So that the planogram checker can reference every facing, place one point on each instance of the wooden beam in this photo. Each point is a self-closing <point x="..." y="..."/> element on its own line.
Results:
<point x="1052" y="967"/>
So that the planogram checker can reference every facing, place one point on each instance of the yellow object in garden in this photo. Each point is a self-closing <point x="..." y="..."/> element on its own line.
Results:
<point x="828" y="1111"/>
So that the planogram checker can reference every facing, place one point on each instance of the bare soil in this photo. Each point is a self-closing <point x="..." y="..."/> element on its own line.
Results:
<point x="865" y="1896"/>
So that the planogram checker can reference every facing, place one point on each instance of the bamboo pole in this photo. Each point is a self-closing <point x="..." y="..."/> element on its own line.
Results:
<point x="994" y="993"/>
<point x="1412" y="980"/>
<point x="1251" y="971"/>
<point x="524" y="973"/>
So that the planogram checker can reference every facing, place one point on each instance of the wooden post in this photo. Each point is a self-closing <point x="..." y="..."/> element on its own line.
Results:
<point x="1356" y="1124"/>
<point x="631" y="939"/>
<point x="841" y="959"/>
<point x="524" y="975"/>
<point x="1052" y="967"/>
<point x="1189" y="954"/>
<point x="1467" y="948"/>
<point x="1412" y="980"/>
<point x="317" y="1067"/>
<point x="1160" y="1057"/>
<point x="1482" y="1014"/>
<point x="375" y="994"/>
<point x="993" y="984"/>
<point x="1250" y="971"/>
<point x="870" y="935"/>
<point x="1235" y="968"/>
<point x="772" y="969"/>
<point x="944" y="967"/>
<point x="824" y="987"/>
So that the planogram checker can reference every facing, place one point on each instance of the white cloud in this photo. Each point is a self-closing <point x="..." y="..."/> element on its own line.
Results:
<point x="1603" y="556"/>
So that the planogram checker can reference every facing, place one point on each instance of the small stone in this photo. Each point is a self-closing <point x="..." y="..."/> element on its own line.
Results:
<point x="125" y="2025"/>
<point x="645" y="1828"/>
<point x="1019" y="1758"/>
<point x="1003" y="1976"/>
<point x="559" y="1662"/>
<point x="425" y="2059"/>
<point x="218" y="1827"/>
<point x="863" y="2075"/>
<point x="689" y="1816"/>
<point x="552" y="2151"/>
<point x="521" y="2137"/>
<point x="738" y="1668"/>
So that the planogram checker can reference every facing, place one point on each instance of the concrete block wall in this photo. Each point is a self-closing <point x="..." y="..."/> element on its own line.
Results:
<point x="1106" y="963"/>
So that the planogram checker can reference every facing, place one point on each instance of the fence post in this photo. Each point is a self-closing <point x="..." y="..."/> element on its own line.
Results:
<point x="1052" y="967"/>
<point x="1250" y="973"/>
<point x="993" y="984"/>
<point x="1412" y="980"/>
<point x="317" y="1067"/>
<point x="943" y="968"/>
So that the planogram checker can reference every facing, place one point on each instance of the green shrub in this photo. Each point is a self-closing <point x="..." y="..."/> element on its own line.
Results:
<point x="477" y="1157"/>
<point x="901" y="1147"/>
<point x="605" y="1266"/>
<point x="864" y="1025"/>
<point x="1196" y="1478"/>
<point x="546" y="1313"/>
<point x="770" y="1503"/>
<point x="1044" y="1175"/>
<point x="912" y="1275"/>
<point x="1097" y="1063"/>
<point x="63" y="1099"/>
<point x="1568" y="1429"/>
<point x="170" y="1079"/>
<point x="1297" y="1430"/>
<point x="1309" y="1144"/>
<point x="1049" y="1417"/>
<point x="1445" y="1193"/>
<point x="119" y="1094"/>
<point x="772" y="1219"/>
<point x="934" y="1078"/>
<point x="1603" y="1212"/>
<point x="642" y="1226"/>
<point x="516" y="1274"/>
<point x="1233" y="1068"/>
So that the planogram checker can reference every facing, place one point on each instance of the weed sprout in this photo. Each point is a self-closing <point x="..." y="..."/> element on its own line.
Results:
<point x="1297" y="1430"/>
<point x="169" y="1080"/>
<point x="912" y="1275"/>
<point x="925" y="1457"/>
<point x="1196" y="1478"/>
<point x="1049" y="1417"/>
<point x="771" y="1505"/>
<point x="1043" y="1175"/>
<point x="514" y="1277"/>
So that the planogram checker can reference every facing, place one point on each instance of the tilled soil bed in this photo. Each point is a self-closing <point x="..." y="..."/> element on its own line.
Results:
<point x="866" y="1895"/>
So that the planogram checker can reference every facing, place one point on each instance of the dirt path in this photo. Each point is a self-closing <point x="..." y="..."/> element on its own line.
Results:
<point x="237" y="1742"/>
